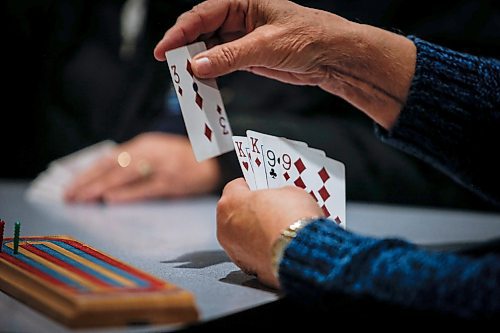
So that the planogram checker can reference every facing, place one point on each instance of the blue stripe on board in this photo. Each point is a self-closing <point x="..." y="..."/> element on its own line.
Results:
<point x="54" y="274"/>
<point x="140" y="282"/>
<point x="78" y="265"/>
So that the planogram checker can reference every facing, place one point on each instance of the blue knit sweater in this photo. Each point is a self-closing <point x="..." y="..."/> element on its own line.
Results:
<point x="451" y="120"/>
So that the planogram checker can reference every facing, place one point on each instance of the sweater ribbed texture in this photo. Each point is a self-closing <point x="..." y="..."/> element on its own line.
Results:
<point x="452" y="117"/>
<point x="325" y="259"/>
<point x="451" y="120"/>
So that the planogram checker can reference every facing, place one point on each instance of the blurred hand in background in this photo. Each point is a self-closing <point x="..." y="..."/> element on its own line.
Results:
<point x="151" y="165"/>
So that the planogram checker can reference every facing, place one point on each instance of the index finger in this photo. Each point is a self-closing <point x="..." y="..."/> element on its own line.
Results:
<point x="204" y="18"/>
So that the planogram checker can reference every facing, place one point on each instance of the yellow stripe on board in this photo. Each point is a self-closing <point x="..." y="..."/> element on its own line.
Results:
<point x="59" y="269"/>
<point x="110" y="274"/>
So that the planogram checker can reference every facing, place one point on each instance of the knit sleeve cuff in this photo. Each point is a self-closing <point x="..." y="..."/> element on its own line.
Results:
<point x="323" y="251"/>
<point x="451" y="114"/>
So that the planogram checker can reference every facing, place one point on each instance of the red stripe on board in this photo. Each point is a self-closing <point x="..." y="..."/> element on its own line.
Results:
<point x="34" y="271"/>
<point x="65" y="265"/>
<point x="128" y="269"/>
<point x="154" y="281"/>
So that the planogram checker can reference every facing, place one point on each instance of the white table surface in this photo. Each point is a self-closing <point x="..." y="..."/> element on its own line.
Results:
<point x="175" y="240"/>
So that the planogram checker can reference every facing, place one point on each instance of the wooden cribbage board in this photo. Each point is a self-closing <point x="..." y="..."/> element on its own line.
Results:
<point x="82" y="287"/>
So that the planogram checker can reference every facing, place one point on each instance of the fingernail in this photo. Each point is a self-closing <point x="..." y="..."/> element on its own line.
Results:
<point x="204" y="66"/>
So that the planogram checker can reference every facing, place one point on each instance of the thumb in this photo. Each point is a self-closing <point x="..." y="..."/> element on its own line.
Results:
<point x="235" y="186"/>
<point x="231" y="56"/>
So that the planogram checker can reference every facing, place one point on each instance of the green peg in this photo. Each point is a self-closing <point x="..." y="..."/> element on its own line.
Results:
<point x="17" y="228"/>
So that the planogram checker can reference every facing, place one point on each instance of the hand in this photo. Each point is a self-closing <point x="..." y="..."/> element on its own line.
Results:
<point x="272" y="38"/>
<point x="249" y="222"/>
<point x="369" y="67"/>
<point x="162" y="165"/>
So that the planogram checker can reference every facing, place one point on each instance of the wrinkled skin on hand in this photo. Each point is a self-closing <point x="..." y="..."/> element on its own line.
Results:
<point x="369" y="67"/>
<point x="249" y="222"/>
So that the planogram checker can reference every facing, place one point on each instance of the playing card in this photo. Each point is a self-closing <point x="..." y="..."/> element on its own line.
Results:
<point x="269" y="152"/>
<point x="322" y="177"/>
<point x="256" y="157"/>
<point x="325" y="180"/>
<point x="46" y="186"/>
<point x="278" y="161"/>
<point x="50" y="184"/>
<point x="304" y="144"/>
<point x="80" y="160"/>
<point x="201" y="105"/>
<point x="265" y="158"/>
<point x="242" y="152"/>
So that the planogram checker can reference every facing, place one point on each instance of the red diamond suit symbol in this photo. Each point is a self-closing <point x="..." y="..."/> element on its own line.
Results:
<point x="208" y="133"/>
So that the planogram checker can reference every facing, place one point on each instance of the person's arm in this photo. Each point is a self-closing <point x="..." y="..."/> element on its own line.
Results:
<point x="323" y="259"/>
<point x="369" y="67"/>
<point x="451" y="118"/>
<point x="389" y="270"/>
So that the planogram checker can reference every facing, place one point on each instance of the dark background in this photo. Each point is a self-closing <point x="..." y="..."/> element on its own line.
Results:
<point x="68" y="88"/>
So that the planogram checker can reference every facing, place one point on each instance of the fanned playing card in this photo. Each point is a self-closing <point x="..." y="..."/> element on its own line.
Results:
<point x="201" y="105"/>
<point x="322" y="177"/>
<point x="243" y="154"/>
<point x="51" y="183"/>
<point x="268" y="161"/>
<point x="268" y="149"/>
<point x="256" y="158"/>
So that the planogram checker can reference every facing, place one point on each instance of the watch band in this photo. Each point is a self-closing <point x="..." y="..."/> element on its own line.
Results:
<point x="285" y="238"/>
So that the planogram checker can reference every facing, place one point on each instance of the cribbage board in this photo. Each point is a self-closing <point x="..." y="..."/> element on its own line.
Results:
<point x="81" y="287"/>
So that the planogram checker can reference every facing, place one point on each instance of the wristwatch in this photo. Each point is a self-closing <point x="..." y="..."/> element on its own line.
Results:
<point x="285" y="238"/>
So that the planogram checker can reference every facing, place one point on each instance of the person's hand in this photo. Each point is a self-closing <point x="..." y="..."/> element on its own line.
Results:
<point x="160" y="165"/>
<point x="273" y="38"/>
<point x="369" y="67"/>
<point x="249" y="222"/>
